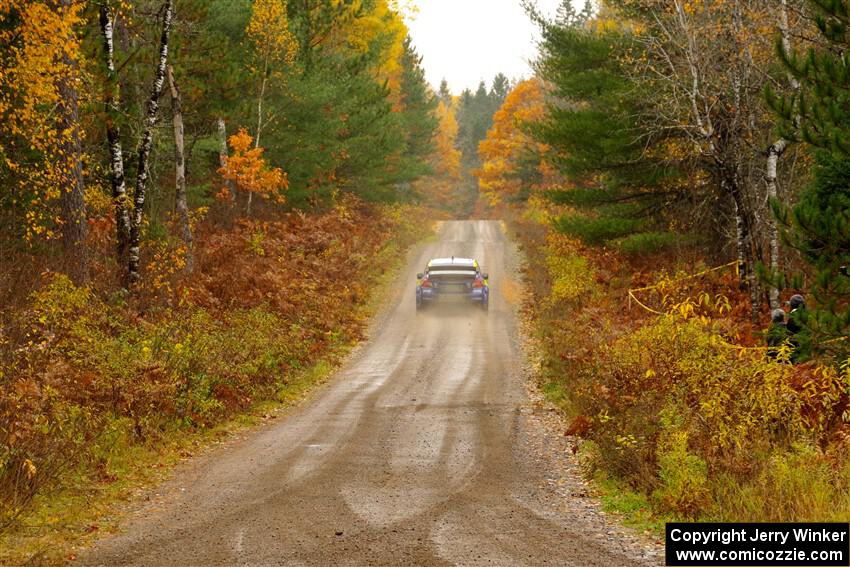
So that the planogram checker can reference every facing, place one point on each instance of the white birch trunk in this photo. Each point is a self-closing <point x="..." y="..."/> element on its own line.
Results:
<point x="140" y="194"/>
<point x="180" y="204"/>
<point x="113" y="134"/>
<point x="774" y="152"/>
<point x="260" y="99"/>
<point x="222" y="154"/>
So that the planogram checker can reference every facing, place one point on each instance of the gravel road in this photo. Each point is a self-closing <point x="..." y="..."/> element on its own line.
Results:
<point x="424" y="449"/>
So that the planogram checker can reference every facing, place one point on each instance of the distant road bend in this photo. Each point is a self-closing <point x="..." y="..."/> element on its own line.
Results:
<point x="415" y="453"/>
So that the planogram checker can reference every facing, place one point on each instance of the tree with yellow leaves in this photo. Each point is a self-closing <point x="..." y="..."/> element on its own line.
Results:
<point x="41" y="147"/>
<point x="446" y="161"/>
<point x="274" y="48"/>
<point x="440" y="187"/>
<point x="510" y="158"/>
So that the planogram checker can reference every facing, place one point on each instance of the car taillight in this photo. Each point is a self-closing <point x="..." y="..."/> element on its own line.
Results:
<point x="478" y="283"/>
<point x="426" y="283"/>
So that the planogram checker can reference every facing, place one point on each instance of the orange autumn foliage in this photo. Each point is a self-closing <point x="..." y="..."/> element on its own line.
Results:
<point x="508" y="144"/>
<point x="440" y="189"/>
<point x="249" y="172"/>
<point x="446" y="160"/>
<point x="267" y="300"/>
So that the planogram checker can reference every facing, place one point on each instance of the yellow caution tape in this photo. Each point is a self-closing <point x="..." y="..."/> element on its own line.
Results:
<point x="692" y="276"/>
<point x="638" y="301"/>
<point x="719" y="341"/>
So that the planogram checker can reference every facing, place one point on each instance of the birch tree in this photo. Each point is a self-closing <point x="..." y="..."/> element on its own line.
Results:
<point x="180" y="204"/>
<point x="274" y="48"/>
<point x="221" y="129"/>
<point x="142" y="172"/>
<point x="129" y="221"/>
<point x="113" y="134"/>
<point x="774" y="152"/>
<point x="706" y="65"/>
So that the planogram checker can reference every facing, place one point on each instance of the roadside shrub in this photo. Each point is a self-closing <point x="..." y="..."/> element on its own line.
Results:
<point x="596" y="231"/>
<point x="44" y="427"/>
<point x="571" y="274"/>
<point x="88" y="371"/>
<point x="798" y="483"/>
<point x="684" y="486"/>
<point x="683" y="416"/>
<point x="646" y="243"/>
<point x="726" y="401"/>
<point x="684" y="408"/>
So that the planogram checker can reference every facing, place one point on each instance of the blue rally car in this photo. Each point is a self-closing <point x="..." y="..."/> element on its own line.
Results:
<point x="458" y="279"/>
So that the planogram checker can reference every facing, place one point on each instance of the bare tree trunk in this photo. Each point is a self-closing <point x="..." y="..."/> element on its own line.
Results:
<point x="260" y="99"/>
<point x="744" y="243"/>
<point x="113" y="134"/>
<point x="774" y="152"/>
<point x="746" y="217"/>
<point x="181" y="205"/>
<point x="140" y="194"/>
<point x="222" y="154"/>
<point x="74" y="226"/>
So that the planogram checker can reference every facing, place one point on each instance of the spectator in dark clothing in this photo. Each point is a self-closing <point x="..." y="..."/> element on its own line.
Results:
<point x="778" y="334"/>
<point x="796" y="319"/>
<point x="797" y="330"/>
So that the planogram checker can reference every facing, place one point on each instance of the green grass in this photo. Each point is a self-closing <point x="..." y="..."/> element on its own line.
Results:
<point x="633" y="507"/>
<point x="555" y="392"/>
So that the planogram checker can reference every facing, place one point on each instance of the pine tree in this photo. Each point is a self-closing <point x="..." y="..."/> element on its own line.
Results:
<point x="343" y="123"/>
<point x="445" y="93"/>
<point x="819" y="224"/>
<point x="475" y="117"/>
<point x="418" y="116"/>
<point x="593" y="130"/>
<point x="820" y="113"/>
<point x="500" y="89"/>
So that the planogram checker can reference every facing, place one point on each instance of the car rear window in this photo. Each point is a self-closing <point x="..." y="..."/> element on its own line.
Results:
<point x="451" y="268"/>
<point x="452" y="274"/>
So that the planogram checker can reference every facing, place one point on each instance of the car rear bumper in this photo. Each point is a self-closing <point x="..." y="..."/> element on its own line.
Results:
<point x="475" y="295"/>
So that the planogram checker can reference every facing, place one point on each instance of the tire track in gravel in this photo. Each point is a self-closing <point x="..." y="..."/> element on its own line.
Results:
<point x="420" y="451"/>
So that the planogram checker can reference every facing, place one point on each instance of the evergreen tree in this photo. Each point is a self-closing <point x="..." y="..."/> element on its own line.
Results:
<point x="820" y="113"/>
<point x="819" y="224"/>
<point x="596" y="139"/>
<point x="482" y="119"/>
<point x="475" y="117"/>
<point x="336" y="125"/>
<point x="418" y="117"/>
<point x="499" y="91"/>
<point x="464" y="123"/>
<point x="444" y="93"/>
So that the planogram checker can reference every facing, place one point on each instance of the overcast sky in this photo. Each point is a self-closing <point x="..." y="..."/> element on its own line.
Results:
<point x="465" y="41"/>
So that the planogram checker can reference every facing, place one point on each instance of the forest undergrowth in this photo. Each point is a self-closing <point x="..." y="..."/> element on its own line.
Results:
<point x="104" y="391"/>
<point x="674" y="406"/>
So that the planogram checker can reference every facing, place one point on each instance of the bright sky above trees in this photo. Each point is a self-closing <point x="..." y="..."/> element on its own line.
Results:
<point x="465" y="42"/>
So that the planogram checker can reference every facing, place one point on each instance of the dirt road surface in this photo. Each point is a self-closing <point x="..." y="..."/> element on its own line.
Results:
<point x="422" y="450"/>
